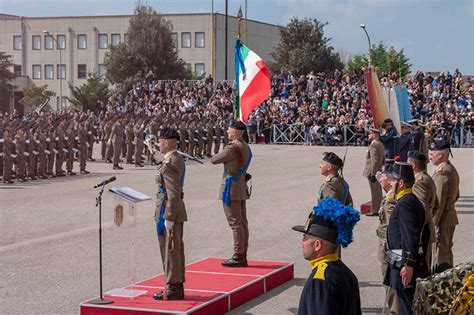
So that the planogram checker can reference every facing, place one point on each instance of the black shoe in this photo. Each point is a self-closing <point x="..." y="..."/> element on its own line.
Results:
<point x="174" y="292"/>
<point x="372" y="214"/>
<point x="130" y="162"/>
<point x="71" y="173"/>
<point x="116" y="167"/>
<point x="236" y="261"/>
<point x="85" y="172"/>
<point x="138" y="165"/>
<point x="8" y="182"/>
<point x="108" y="161"/>
<point x="21" y="180"/>
<point x="92" y="160"/>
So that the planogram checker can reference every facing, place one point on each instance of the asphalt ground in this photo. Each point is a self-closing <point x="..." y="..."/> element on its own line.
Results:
<point x="49" y="230"/>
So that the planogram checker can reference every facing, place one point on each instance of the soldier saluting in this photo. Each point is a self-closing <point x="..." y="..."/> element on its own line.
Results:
<point x="170" y="212"/>
<point x="236" y="158"/>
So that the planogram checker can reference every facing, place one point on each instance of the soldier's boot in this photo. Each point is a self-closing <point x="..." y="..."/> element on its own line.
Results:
<point x="173" y="292"/>
<point x="238" y="260"/>
<point x="442" y="267"/>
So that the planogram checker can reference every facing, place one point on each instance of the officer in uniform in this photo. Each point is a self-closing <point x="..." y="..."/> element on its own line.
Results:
<point x="91" y="137"/>
<point x="389" y="139"/>
<point x="70" y="139"/>
<point x="109" y="152"/>
<point x="331" y="288"/>
<point x="129" y="137"/>
<point x="425" y="190"/>
<point x="405" y="143"/>
<point x="83" y="149"/>
<point x="138" y="131"/>
<point x="51" y="150"/>
<point x="407" y="239"/>
<point x="373" y="163"/>
<point x="217" y="137"/>
<point x="192" y="138"/>
<point x="60" y="150"/>
<point x="419" y="139"/>
<point x="234" y="193"/>
<point x="170" y="213"/>
<point x="446" y="179"/>
<point x="334" y="185"/>
<point x="42" y="156"/>
<point x="20" y="155"/>
<point x="209" y="138"/>
<point x="201" y="140"/>
<point x="8" y="151"/>
<point x="116" y="139"/>
<point x="182" y="136"/>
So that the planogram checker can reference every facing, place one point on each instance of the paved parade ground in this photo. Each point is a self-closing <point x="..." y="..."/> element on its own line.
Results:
<point x="49" y="229"/>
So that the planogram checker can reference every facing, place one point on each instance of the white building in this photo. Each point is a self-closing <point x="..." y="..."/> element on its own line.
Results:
<point x="33" y="43"/>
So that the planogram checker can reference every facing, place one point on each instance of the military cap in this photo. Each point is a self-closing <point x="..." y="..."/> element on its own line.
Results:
<point x="374" y="130"/>
<point x="388" y="121"/>
<point x="413" y="121"/>
<point x="440" y="140"/>
<point x="333" y="159"/>
<point x="169" y="134"/>
<point x="403" y="170"/>
<point x="237" y="124"/>
<point x="417" y="156"/>
<point x="331" y="221"/>
<point x="405" y="124"/>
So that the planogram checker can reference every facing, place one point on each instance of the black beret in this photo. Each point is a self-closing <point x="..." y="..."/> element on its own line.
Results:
<point x="332" y="158"/>
<point x="388" y="121"/>
<point x="403" y="170"/>
<point x="417" y="156"/>
<point x="237" y="124"/>
<point x="169" y="133"/>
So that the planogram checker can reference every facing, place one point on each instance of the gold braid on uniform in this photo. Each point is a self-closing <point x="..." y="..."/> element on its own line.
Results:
<point x="452" y="289"/>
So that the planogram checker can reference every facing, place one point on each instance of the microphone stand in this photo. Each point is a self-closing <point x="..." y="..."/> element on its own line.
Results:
<point x="100" y="301"/>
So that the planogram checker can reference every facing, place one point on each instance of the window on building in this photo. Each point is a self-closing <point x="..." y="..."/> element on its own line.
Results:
<point x="17" y="42"/>
<point x="81" y="71"/>
<point x="61" y="71"/>
<point x="36" y="42"/>
<point x="199" y="69"/>
<point x="61" y="41"/>
<point x="48" y="71"/>
<point x="115" y="38"/>
<point x="174" y="39"/>
<point x="186" y="40"/>
<point x="199" y="39"/>
<point x="82" y="41"/>
<point x="17" y="70"/>
<point x="37" y="72"/>
<point x="102" y="70"/>
<point x="103" y="41"/>
<point x="48" y="42"/>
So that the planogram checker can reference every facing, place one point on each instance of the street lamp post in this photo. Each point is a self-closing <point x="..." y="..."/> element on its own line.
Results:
<point x="362" y="26"/>
<point x="60" y="71"/>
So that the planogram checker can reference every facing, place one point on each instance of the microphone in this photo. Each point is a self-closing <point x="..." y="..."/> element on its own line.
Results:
<point x="105" y="182"/>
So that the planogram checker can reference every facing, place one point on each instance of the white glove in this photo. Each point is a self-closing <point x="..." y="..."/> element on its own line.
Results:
<point x="168" y="225"/>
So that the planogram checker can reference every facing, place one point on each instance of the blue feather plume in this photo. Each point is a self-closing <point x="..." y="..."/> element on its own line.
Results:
<point x="344" y="218"/>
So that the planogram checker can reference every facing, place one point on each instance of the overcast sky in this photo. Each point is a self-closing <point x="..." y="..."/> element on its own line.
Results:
<point x="437" y="35"/>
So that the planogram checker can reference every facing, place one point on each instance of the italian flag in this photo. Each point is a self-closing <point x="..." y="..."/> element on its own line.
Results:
<point x="253" y="81"/>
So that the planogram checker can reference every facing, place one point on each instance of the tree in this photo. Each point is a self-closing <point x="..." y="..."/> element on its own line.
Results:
<point x="386" y="60"/>
<point x="86" y="96"/>
<point x="34" y="96"/>
<point x="304" y="48"/>
<point x="6" y="77"/>
<point x="149" y="46"/>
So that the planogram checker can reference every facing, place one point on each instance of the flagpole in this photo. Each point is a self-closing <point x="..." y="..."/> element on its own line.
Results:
<point x="239" y="21"/>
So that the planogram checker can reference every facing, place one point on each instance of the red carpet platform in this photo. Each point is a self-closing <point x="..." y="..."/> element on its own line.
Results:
<point x="209" y="289"/>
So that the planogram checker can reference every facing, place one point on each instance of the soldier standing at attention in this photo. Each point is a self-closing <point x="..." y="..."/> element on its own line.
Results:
<point x="425" y="190"/>
<point x="419" y="139"/>
<point x="7" y="157"/>
<point x="20" y="155"/>
<point x="209" y="138"/>
<point x="116" y="138"/>
<point x="446" y="179"/>
<point x="389" y="139"/>
<point x="83" y="149"/>
<point x="217" y="137"/>
<point x="405" y="143"/>
<point x="331" y="288"/>
<point x="60" y="150"/>
<point x="236" y="158"/>
<point x="129" y="137"/>
<point x="170" y="213"/>
<point x="407" y="239"/>
<point x="334" y="185"/>
<point x="373" y="163"/>
<point x="70" y="139"/>
<point x="138" y="131"/>
<point x="110" y="146"/>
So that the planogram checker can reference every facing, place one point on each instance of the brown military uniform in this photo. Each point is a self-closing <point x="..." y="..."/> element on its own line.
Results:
<point x="91" y="136"/>
<point x="51" y="152"/>
<point x="8" y="151"/>
<point x="217" y="138"/>
<point x="138" y="142"/>
<point x="42" y="156"/>
<point x="20" y="157"/>
<point x="83" y="149"/>
<point x="375" y="158"/>
<point x="129" y="137"/>
<point x="170" y="176"/>
<point x="192" y="140"/>
<point x="31" y="159"/>
<point x="333" y="186"/>
<point x="446" y="179"/>
<point x="425" y="190"/>
<point x="209" y="139"/>
<point x="118" y="132"/>
<point x="61" y="154"/>
<point x="386" y="209"/>
<point x="70" y="141"/>
<point x="234" y="157"/>
<point x="110" y="146"/>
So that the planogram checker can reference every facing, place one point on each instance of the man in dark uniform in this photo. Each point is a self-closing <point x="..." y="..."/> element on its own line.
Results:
<point x="170" y="212"/>
<point x="389" y="139"/>
<point x="419" y="139"/>
<point x="405" y="143"/>
<point x="407" y="239"/>
<point x="331" y="287"/>
<point x="234" y="193"/>
<point x="334" y="185"/>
